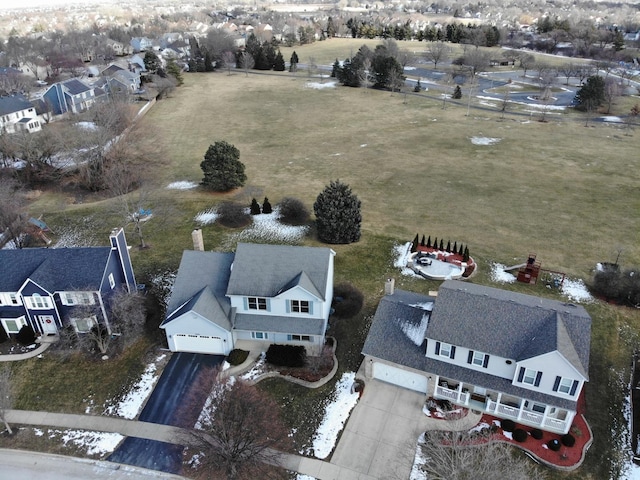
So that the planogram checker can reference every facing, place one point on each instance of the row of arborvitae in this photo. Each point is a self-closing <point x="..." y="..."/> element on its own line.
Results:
<point x="460" y="250"/>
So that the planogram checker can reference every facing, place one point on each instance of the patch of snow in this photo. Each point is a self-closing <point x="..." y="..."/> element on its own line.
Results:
<point x="300" y="476"/>
<point x="479" y="427"/>
<point x="428" y="306"/>
<point x="401" y="255"/>
<point x="484" y="140"/>
<point x="206" y="415"/>
<point x="363" y="145"/>
<point x="418" y="461"/>
<point x="576" y="290"/>
<point x="320" y="86"/>
<point x="335" y="415"/>
<point x="267" y="227"/>
<point x="94" y="443"/>
<point x="87" y="125"/>
<point x="38" y="432"/>
<point x="207" y="216"/>
<point x="499" y="275"/>
<point x="407" y="69"/>
<point x="225" y="365"/>
<point x="256" y="370"/>
<point x="415" y="333"/>
<point x="612" y="119"/>
<point x="182" y="185"/>
<point x="131" y="404"/>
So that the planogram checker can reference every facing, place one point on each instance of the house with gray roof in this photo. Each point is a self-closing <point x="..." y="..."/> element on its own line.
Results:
<point x="47" y="289"/>
<point x="259" y="295"/>
<point x="70" y="96"/>
<point x="18" y="114"/>
<point x="508" y="354"/>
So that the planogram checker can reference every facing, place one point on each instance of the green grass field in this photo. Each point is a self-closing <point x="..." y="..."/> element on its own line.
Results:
<point x="562" y="190"/>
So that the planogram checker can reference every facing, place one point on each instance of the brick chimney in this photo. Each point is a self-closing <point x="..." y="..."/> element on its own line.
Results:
<point x="389" y="286"/>
<point x="198" y="242"/>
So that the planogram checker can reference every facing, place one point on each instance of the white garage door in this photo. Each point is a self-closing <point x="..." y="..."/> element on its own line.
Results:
<point x="402" y="378"/>
<point x="198" y="344"/>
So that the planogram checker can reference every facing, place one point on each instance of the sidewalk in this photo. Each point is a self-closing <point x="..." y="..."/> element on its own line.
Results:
<point x="45" y="343"/>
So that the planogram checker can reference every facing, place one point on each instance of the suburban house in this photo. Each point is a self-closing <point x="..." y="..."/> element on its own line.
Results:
<point x="18" y="114"/>
<point x="257" y="296"/>
<point x="49" y="288"/>
<point x="140" y="44"/>
<point x="121" y="80"/>
<point x="507" y="354"/>
<point x="72" y="96"/>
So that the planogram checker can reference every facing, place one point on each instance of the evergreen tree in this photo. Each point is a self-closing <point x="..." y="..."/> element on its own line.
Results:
<point x="441" y="245"/>
<point x="293" y="62"/>
<point x="465" y="255"/>
<point x="448" y="249"/>
<point x="455" y="247"/>
<point x="414" y="244"/>
<point x="151" y="62"/>
<point x="591" y="95"/>
<point x="222" y="167"/>
<point x="278" y="63"/>
<point x="435" y="243"/>
<point x="254" y="209"/>
<point x="457" y="92"/>
<point x="262" y="62"/>
<point x="418" y="86"/>
<point x="429" y="241"/>
<point x="208" y="62"/>
<point x="266" y="206"/>
<point x="175" y="71"/>
<point x="460" y="250"/>
<point x="269" y="53"/>
<point x="331" y="28"/>
<point x="334" y="70"/>
<point x="338" y="216"/>
<point x="252" y="45"/>
<point x="618" y="41"/>
<point x="422" y="241"/>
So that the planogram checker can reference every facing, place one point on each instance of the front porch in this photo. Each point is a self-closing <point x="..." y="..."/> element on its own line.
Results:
<point x="521" y="410"/>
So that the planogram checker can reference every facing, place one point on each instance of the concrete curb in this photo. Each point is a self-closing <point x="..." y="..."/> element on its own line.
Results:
<point x="15" y="357"/>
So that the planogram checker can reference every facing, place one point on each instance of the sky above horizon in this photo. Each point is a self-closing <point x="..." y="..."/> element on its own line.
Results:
<point x="19" y="4"/>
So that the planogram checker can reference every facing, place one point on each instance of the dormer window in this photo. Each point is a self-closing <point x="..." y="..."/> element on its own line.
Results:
<point x="38" y="302"/>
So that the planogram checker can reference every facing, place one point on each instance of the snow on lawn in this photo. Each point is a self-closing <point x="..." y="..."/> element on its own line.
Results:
<point x="484" y="140"/>
<point x="335" y="416"/>
<point x="499" y="275"/>
<point x="401" y="257"/>
<point x="576" y="290"/>
<point x="182" y="185"/>
<point x="95" y="443"/>
<point x="320" y="86"/>
<point x="267" y="227"/>
<point x="207" y="216"/>
<point x="418" y="461"/>
<point x="131" y="404"/>
<point x="257" y="370"/>
<point x="300" y="476"/>
<point x="612" y="119"/>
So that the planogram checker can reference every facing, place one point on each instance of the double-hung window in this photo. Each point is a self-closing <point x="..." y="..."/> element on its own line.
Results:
<point x="445" y="350"/>
<point x="479" y="359"/>
<point x="529" y="376"/>
<point x="84" y="325"/>
<point x="77" y="298"/>
<point x="300" y="306"/>
<point x="38" y="302"/>
<point x="565" y="385"/>
<point x="257" y="303"/>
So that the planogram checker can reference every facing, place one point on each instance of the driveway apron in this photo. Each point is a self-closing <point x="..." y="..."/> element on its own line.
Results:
<point x="163" y="407"/>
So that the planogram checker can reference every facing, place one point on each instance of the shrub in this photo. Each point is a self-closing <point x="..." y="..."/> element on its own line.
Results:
<point x="287" y="355"/>
<point x="3" y="335"/>
<point x="508" y="425"/>
<point x="568" y="440"/>
<point x="222" y="168"/>
<point x="26" y="336"/>
<point x="266" y="206"/>
<point x="457" y="92"/>
<point x="554" y="445"/>
<point x="232" y="215"/>
<point x="293" y="212"/>
<point x="537" y="433"/>
<point x="347" y="300"/>
<point x="338" y="216"/>
<point x="254" y="209"/>
<point x="237" y="356"/>
<point x="520" y="435"/>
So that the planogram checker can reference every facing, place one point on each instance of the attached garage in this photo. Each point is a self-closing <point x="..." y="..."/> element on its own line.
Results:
<point x="400" y="377"/>
<point x="198" y="344"/>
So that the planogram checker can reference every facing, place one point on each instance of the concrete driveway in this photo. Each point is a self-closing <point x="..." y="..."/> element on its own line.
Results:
<point x="379" y="440"/>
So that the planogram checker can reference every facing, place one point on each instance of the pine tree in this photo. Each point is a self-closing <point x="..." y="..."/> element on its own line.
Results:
<point x="592" y="93"/>
<point x="465" y="255"/>
<point x="293" y="62"/>
<point x="254" y="209"/>
<point x="460" y="250"/>
<point x="435" y="243"/>
<point x="331" y="28"/>
<point x="175" y="71"/>
<point x="448" y="249"/>
<point x="441" y="245"/>
<point x="418" y="86"/>
<point x="266" y="206"/>
<point x="222" y="167"/>
<point x="208" y="63"/>
<point x="422" y="241"/>
<point x="455" y="247"/>
<point x="338" y="216"/>
<point x="414" y="244"/>
<point x="151" y="62"/>
<point x="335" y="69"/>
<point x="457" y="92"/>
<point x="429" y="241"/>
<point x="278" y="63"/>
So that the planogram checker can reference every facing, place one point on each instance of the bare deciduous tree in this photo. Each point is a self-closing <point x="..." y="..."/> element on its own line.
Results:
<point x="229" y="60"/>
<point x="13" y="218"/>
<point x="437" y="52"/>
<point x="6" y="395"/>
<point x="238" y="432"/>
<point x="459" y="456"/>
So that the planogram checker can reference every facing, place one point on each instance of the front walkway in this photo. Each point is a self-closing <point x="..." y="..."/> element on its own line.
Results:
<point x="45" y="342"/>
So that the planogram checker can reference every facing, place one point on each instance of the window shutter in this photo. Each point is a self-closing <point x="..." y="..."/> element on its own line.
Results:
<point x="538" y="378"/>
<point x="437" y="348"/>
<point x="453" y="352"/>
<point x="486" y="361"/>
<point x="310" y="307"/>
<point x="574" y="387"/>
<point x="288" y="306"/>
<point x="470" y="356"/>
<point x="521" y="374"/>
<point x="289" y="337"/>
<point x="268" y="304"/>
<point x="556" y="384"/>
<point x="246" y="303"/>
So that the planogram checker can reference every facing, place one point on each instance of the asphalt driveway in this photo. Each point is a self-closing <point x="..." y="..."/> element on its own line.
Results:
<point x="163" y="407"/>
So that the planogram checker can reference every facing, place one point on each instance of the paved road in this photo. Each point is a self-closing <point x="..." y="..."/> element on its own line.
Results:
<point x="163" y="407"/>
<point x="23" y="465"/>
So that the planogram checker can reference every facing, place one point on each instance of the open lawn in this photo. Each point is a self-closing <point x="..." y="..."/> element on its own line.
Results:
<point x="562" y="190"/>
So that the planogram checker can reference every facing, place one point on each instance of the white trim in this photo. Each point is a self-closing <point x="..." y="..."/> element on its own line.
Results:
<point x="19" y="320"/>
<point x="91" y="321"/>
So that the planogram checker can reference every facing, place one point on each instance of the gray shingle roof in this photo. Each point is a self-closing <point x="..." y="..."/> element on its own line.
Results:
<point x="13" y="104"/>
<point x="200" y="285"/>
<point x="75" y="86"/>
<point x="388" y="341"/>
<point x="509" y="324"/>
<point x="279" y="324"/>
<point x="268" y="270"/>
<point x="55" y="269"/>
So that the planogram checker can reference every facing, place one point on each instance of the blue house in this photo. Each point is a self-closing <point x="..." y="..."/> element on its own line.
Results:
<point x="50" y="288"/>
<point x="70" y="96"/>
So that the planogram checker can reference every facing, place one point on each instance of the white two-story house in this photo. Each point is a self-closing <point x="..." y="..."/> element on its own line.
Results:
<point x="18" y="114"/>
<point x="260" y="295"/>
<point x="507" y="354"/>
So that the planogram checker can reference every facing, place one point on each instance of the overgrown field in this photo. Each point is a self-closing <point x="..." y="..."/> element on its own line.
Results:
<point x="562" y="190"/>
